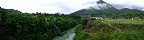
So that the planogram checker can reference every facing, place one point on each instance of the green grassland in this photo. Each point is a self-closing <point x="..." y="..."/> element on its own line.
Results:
<point x="115" y="29"/>
<point x="123" y="21"/>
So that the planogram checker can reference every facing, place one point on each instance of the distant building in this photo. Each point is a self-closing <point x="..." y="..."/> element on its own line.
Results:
<point x="98" y="18"/>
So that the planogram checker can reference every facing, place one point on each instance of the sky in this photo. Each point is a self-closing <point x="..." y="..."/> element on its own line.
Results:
<point x="64" y="6"/>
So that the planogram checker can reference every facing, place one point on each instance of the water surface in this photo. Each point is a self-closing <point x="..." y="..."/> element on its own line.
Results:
<point x="67" y="36"/>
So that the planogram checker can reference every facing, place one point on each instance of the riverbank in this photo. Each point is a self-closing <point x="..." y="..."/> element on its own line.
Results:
<point x="67" y="36"/>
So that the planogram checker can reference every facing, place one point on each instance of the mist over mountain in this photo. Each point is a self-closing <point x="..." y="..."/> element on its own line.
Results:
<point x="102" y="8"/>
<point x="100" y="5"/>
<point x="118" y="6"/>
<point x="99" y="9"/>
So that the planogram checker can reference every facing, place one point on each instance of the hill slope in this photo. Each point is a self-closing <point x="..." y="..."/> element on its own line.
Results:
<point x="103" y="8"/>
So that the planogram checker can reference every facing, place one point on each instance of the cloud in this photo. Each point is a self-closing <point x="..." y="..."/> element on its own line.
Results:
<point x="50" y="6"/>
<point x="63" y="6"/>
<point x="143" y="10"/>
<point x="127" y="6"/>
<point x="132" y="4"/>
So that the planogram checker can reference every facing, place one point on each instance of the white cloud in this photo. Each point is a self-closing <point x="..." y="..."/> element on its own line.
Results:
<point x="139" y="3"/>
<point x="52" y="6"/>
<point x="143" y="9"/>
<point x="63" y="6"/>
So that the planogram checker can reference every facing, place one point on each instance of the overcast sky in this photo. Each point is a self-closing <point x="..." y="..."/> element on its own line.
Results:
<point x="64" y="6"/>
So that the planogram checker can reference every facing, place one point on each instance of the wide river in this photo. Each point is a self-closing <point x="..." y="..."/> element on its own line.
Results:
<point x="67" y="36"/>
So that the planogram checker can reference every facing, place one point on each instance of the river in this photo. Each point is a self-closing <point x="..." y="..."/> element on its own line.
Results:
<point x="67" y="36"/>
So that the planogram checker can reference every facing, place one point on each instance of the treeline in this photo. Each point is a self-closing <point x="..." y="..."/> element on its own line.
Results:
<point x="111" y="13"/>
<point x="15" y="25"/>
<point x="129" y="13"/>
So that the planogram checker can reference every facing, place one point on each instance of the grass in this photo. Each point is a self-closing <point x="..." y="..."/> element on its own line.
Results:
<point x="124" y="21"/>
<point x="131" y="30"/>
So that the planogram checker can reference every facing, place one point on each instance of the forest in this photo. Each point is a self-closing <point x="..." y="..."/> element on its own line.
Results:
<point x="15" y="25"/>
<point x="111" y="13"/>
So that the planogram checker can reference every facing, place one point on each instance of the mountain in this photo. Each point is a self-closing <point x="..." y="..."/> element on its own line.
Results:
<point x="101" y="2"/>
<point x="101" y="8"/>
<point x="9" y="10"/>
<point x="103" y="5"/>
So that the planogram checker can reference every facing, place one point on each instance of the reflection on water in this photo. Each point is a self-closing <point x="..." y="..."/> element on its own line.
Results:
<point x="67" y="36"/>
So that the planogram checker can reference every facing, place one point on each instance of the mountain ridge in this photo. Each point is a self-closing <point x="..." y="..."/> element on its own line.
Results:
<point x="93" y="11"/>
<point x="109" y="11"/>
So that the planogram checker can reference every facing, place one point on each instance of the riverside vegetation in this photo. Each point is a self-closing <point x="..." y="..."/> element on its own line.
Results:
<point x="111" y="30"/>
<point x="15" y="25"/>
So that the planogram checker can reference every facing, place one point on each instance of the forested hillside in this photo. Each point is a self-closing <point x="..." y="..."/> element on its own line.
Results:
<point x="106" y="9"/>
<point x="129" y="13"/>
<point x="15" y="25"/>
